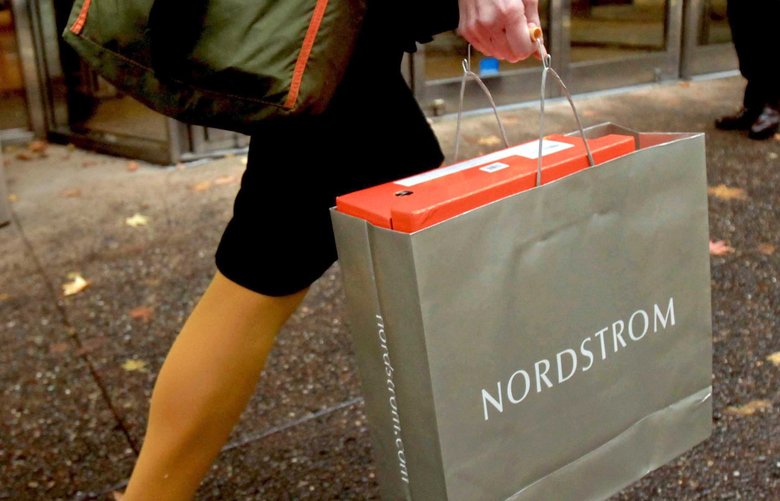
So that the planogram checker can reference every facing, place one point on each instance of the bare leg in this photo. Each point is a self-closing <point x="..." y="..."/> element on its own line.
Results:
<point x="206" y="381"/>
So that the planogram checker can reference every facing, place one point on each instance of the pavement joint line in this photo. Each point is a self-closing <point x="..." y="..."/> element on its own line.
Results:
<point x="72" y="331"/>
<point x="83" y="496"/>
<point x="291" y="424"/>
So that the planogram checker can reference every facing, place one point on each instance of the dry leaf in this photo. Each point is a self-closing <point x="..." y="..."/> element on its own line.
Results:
<point x="137" y="220"/>
<point x="26" y="156"/>
<point x="134" y="365"/>
<point x="71" y="193"/>
<point x="766" y="249"/>
<point x="201" y="186"/>
<point x="38" y="146"/>
<point x="118" y="496"/>
<point x="13" y="197"/>
<point x="4" y="296"/>
<point x="489" y="141"/>
<point x="772" y="155"/>
<point x="222" y="180"/>
<point x="71" y="147"/>
<point x="142" y="313"/>
<point x="76" y="285"/>
<point x="89" y="163"/>
<point x="59" y="347"/>
<point x="132" y="166"/>
<point x="720" y="248"/>
<point x="510" y="120"/>
<point x="91" y="344"/>
<point x="750" y="408"/>
<point x="685" y="84"/>
<point x="774" y="358"/>
<point x="723" y="192"/>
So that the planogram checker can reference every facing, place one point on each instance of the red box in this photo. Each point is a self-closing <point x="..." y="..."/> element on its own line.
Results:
<point x="423" y="200"/>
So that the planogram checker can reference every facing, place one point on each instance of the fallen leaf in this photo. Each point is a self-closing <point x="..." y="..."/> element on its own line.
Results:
<point x="142" y="313"/>
<point x="59" y="347"/>
<point x="38" y="146"/>
<point x="685" y="84"/>
<point x="4" y="296"/>
<point x="223" y="180"/>
<point x="720" y="248"/>
<point x="180" y="166"/>
<point x="489" y="141"/>
<point x="118" y="496"/>
<point x="91" y="344"/>
<point x="71" y="147"/>
<point x="774" y="358"/>
<point x="132" y="166"/>
<point x="772" y="155"/>
<point x="750" y="408"/>
<point x="723" y="192"/>
<point x="201" y="186"/>
<point x="26" y="156"/>
<point x="71" y="193"/>
<point x="766" y="249"/>
<point x="76" y="285"/>
<point x="152" y="282"/>
<point x="137" y="220"/>
<point x="13" y="198"/>
<point x="510" y="120"/>
<point x="89" y="163"/>
<point x="134" y="365"/>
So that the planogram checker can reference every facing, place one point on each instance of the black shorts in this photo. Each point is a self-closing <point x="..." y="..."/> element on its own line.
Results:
<point x="280" y="238"/>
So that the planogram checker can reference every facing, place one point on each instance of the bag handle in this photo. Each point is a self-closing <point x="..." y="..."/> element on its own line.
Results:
<point x="536" y="36"/>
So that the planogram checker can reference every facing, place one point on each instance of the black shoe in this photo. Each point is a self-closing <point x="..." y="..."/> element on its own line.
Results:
<point x="766" y="125"/>
<point x="741" y="121"/>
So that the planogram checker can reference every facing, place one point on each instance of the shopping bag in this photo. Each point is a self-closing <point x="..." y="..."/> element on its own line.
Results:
<point x="554" y="344"/>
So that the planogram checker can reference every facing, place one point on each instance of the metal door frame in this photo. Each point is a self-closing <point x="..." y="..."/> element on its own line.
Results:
<point x="25" y="42"/>
<point x="699" y="59"/>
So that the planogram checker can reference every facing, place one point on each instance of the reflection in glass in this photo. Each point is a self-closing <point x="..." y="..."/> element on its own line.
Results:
<point x="713" y="23"/>
<point x="93" y="105"/>
<point x="444" y="54"/>
<point x="13" y="106"/>
<point x="613" y="29"/>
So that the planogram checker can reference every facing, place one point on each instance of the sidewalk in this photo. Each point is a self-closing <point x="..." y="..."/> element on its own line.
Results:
<point x="76" y="371"/>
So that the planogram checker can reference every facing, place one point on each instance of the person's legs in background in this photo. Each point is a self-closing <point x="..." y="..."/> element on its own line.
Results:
<point x="752" y="30"/>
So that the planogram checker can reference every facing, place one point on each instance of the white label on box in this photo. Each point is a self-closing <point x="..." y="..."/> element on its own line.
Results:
<point x="528" y="150"/>
<point x="494" y="167"/>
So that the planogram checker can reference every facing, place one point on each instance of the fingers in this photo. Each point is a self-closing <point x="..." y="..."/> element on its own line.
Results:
<point x="499" y="28"/>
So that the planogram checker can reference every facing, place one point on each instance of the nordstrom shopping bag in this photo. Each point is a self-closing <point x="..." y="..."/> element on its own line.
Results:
<point x="553" y="344"/>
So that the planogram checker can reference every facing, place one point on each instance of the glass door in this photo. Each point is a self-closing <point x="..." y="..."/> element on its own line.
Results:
<point x="615" y="43"/>
<point x="707" y="46"/>
<point x="595" y="45"/>
<point x="13" y="101"/>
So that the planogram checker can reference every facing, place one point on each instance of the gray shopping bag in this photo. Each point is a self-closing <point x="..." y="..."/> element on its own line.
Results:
<point x="554" y="344"/>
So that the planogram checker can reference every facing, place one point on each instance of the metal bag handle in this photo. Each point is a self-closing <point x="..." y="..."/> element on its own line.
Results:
<point x="536" y="36"/>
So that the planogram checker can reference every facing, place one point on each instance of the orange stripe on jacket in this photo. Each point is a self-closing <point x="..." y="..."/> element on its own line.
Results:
<point x="303" y="57"/>
<point x="79" y="24"/>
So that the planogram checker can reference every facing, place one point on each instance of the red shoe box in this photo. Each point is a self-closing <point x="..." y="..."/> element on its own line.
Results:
<point x="423" y="200"/>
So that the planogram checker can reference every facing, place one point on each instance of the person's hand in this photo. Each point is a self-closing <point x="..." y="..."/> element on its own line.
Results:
<point x="499" y="28"/>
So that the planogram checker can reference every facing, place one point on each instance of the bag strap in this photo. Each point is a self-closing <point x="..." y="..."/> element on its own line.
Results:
<point x="536" y="36"/>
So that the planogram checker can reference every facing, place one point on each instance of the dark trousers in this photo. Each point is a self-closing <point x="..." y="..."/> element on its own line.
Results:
<point x="755" y="29"/>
